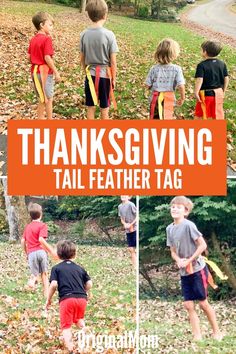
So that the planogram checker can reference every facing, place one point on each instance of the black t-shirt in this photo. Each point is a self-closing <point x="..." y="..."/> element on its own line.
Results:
<point x="71" y="279"/>
<point x="213" y="71"/>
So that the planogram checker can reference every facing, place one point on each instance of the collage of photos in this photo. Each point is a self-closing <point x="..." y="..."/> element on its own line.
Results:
<point x="118" y="274"/>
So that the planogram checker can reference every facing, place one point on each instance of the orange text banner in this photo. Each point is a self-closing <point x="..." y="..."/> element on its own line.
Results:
<point x="116" y="157"/>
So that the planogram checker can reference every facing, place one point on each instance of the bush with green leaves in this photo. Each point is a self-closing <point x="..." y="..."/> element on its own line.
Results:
<point x="52" y="227"/>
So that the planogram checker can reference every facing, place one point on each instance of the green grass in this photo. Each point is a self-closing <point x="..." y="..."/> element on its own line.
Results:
<point x="110" y="310"/>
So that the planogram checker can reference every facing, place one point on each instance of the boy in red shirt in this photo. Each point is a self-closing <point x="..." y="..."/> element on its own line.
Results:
<point x="35" y="246"/>
<point x="73" y="283"/>
<point x="40" y="54"/>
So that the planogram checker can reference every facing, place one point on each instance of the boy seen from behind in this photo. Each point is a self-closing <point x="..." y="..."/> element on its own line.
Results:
<point x="98" y="50"/>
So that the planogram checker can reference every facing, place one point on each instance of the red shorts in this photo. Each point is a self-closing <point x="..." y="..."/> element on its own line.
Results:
<point x="71" y="311"/>
<point x="210" y="108"/>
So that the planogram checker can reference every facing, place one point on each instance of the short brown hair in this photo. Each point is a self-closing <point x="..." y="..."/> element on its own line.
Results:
<point x="188" y="204"/>
<point x="167" y="51"/>
<point x="211" y="48"/>
<point x="35" y="211"/>
<point x="97" y="9"/>
<point x="66" y="249"/>
<point x="41" y="17"/>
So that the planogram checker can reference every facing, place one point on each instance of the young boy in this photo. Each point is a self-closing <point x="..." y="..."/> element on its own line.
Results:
<point x="40" y="55"/>
<point x="186" y="245"/>
<point x="73" y="283"/>
<point x="98" y="50"/>
<point x="211" y="82"/>
<point x="127" y="213"/>
<point x="36" y="247"/>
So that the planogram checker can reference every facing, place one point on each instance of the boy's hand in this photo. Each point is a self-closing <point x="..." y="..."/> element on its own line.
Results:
<point x="185" y="263"/>
<point x="54" y="255"/>
<point x="126" y="225"/>
<point x="181" y="262"/>
<point x="48" y="304"/>
<point x="180" y="102"/>
<point x="197" y="97"/>
<point x="113" y="82"/>
<point x="57" y="77"/>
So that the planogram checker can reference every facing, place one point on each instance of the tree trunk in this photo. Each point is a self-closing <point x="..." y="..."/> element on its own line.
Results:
<point x="83" y="6"/>
<point x="225" y="264"/>
<point x="17" y="215"/>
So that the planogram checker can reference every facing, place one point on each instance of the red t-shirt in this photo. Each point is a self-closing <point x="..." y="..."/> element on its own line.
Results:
<point x="40" y="45"/>
<point x="31" y="234"/>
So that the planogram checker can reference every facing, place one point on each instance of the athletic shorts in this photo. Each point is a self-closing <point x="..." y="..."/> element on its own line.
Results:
<point x="131" y="239"/>
<point x="194" y="286"/>
<point x="38" y="262"/>
<point x="71" y="311"/>
<point x="49" y="87"/>
<point x="210" y="108"/>
<point x="103" y="93"/>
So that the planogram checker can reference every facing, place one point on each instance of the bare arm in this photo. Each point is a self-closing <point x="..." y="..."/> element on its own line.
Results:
<point x="47" y="247"/>
<point x="113" y="69"/>
<point x="198" y="85"/>
<point x="51" y="65"/>
<point x="181" y="89"/>
<point x="82" y="60"/>
<point x="51" y="292"/>
<point x="88" y="285"/>
<point x="23" y="244"/>
<point x="226" y="83"/>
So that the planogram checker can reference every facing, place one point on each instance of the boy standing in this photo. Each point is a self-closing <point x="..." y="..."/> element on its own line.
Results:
<point x="98" y="50"/>
<point x="211" y="82"/>
<point x="40" y="55"/>
<point x="186" y="245"/>
<point x="127" y="213"/>
<point x="73" y="283"/>
<point x="36" y="247"/>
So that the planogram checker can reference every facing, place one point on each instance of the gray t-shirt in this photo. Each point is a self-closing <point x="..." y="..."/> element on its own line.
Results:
<point x="165" y="78"/>
<point x="127" y="212"/>
<point x="182" y="237"/>
<point x="97" y="45"/>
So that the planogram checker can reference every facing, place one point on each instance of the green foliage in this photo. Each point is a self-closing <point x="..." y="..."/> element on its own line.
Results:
<point x="143" y="11"/>
<point x="52" y="227"/>
<point x="78" y="228"/>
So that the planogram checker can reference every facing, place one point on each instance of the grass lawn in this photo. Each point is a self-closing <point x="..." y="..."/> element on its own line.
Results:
<point x="137" y="42"/>
<point x="111" y="309"/>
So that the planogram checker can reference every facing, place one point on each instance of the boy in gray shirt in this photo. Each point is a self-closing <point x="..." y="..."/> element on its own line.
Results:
<point x="98" y="50"/>
<point x="186" y="245"/>
<point x="127" y="213"/>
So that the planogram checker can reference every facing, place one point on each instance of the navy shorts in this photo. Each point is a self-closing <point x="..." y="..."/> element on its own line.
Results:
<point x="194" y="286"/>
<point x="103" y="93"/>
<point x="131" y="239"/>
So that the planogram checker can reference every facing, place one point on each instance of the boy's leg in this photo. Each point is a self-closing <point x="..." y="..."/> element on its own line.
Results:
<point x="67" y="336"/>
<point x="45" y="282"/>
<point x="133" y="255"/>
<point x="105" y="113"/>
<point x="41" y="110"/>
<point x="48" y="108"/>
<point x="32" y="281"/>
<point x="194" y="320"/>
<point x="80" y="323"/>
<point x="210" y="313"/>
<point x="91" y="112"/>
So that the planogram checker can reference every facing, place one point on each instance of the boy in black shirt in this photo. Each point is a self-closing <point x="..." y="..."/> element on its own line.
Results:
<point x="73" y="283"/>
<point x="211" y="82"/>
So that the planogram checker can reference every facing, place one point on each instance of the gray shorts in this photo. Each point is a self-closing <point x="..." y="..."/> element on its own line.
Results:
<point x="49" y="87"/>
<point x="38" y="262"/>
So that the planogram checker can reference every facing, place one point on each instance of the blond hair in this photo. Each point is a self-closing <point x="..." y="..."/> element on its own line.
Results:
<point x="186" y="202"/>
<point x="167" y="51"/>
<point x="97" y="9"/>
<point x="41" y="18"/>
<point x="35" y="211"/>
